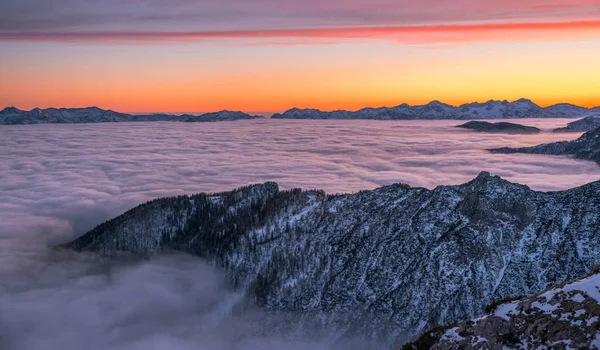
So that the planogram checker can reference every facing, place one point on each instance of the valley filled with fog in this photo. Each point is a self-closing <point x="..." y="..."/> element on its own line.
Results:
<point x="59" y="181"/>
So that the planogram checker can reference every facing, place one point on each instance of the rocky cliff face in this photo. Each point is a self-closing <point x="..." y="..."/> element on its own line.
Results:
<point x="392" y="262"/>
<point x="565" y="317"/>
<point x="586" y="147"/>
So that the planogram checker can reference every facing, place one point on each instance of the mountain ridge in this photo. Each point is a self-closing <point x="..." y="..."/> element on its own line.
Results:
<point x="588" y="123"/>
<point x="492" y="109"/>
<point x="401" y="259"/>
<point x="500" y="127"/>
<point x="587" y="147"/>
<point x="434" y="110"/>
<point x="12" y="115"/>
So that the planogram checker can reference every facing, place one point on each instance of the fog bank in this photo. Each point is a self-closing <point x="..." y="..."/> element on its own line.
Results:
<point x="58" y="181"/>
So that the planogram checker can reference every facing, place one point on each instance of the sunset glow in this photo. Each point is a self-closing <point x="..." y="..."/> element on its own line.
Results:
<point x="192" y="57"/>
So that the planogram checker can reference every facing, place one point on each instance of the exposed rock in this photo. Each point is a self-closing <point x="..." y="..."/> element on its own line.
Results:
<point x="564" y="317"/>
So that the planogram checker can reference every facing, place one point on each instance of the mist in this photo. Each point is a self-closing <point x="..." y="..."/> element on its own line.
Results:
<point x="78" y="301"/>
<point x="58" y="181"/>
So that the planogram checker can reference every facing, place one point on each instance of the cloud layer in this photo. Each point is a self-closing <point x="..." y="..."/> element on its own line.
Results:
<point x="83" y="174"/>
<point x="265" y="17"/>
<point x="426" y="34"/>
<point x="58" y="181"/>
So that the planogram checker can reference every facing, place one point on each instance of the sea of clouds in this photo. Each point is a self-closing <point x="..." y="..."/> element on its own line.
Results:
<point x="58" y="181"/>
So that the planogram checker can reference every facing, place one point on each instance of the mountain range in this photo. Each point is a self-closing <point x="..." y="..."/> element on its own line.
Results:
<point x="500" y="127"/>
<point x="387" y="263"/>
<point x="12" y="115"/>
<point x="522" y="108"/>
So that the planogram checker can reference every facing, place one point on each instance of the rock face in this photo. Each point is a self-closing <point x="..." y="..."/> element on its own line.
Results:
<point x="501" y="127"/>
<point x="13" y="115"/>
<point x="586" y="124"/>
<point x="393" y="261"/>
<point x="564" y="317"/>
<point x="586" y="147"/>
<point x="436" y="110"/>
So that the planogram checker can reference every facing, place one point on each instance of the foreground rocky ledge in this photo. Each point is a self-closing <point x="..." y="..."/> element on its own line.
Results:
<point x="566" y="316"/>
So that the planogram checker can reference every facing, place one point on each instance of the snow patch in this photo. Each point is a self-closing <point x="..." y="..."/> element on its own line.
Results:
<point x="504" y="311"/>
<point x="452" y="335"/>
<point x="578" y="298"/>
<point x="587" y="285"/>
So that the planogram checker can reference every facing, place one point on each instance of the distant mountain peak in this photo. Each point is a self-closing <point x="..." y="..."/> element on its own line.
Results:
<point x="525" y="101"/>
<point x="438" y="104"/>
<point x="11" y="110"/>
<point x="97" y="109"/>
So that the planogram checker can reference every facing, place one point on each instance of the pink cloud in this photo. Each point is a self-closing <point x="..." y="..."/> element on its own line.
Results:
<point x="21" y="16"/>
<point x="401" y="34"/>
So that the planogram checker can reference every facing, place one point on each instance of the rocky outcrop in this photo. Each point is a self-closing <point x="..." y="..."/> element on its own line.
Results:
<point x="391" y="262"/>
<point x="566" y="316"/>
<point x="501" y="127"/>
<point x="13" y="115"/>
<point x="586" y="147"/>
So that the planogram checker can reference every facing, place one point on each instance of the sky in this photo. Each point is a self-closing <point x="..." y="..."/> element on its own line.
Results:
<point x="272" y="55"/>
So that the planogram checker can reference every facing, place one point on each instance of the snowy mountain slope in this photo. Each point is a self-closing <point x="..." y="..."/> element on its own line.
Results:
<point x="522" y="108"/>
<point x="11" y="115"/>
<point x="393" y="261"/>
<point x="586" y="147"/>
<point x="566" y="316"/>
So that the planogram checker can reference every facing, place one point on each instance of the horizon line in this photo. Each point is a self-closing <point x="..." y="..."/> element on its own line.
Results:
<point x="179" y="113"/>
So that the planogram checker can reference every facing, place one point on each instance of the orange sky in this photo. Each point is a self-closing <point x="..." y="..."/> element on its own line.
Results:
<point x="326" y="68"/>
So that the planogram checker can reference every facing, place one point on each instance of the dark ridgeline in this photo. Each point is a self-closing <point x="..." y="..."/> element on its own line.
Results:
<point x="522" y="108"/>
<point x="500" y="127"/>
<point x="586" y="124"/>
<point x="587" y="147"/>
<point x="391" y="262"/>
<point x="519" y="109"/>
<point x="11" y="116"/>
